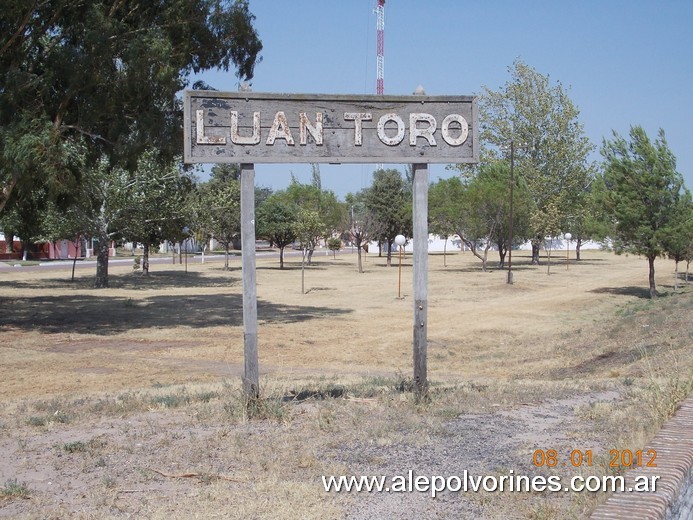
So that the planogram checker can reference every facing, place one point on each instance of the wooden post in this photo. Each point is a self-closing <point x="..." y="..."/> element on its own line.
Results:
<point x="420" y="344"/>
<point x="251" y="377"/>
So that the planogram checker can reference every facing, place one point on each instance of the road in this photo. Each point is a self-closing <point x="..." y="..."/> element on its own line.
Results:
<point x="14" y="265"/>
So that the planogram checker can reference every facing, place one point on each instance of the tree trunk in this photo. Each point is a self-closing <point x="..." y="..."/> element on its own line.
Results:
<point x="145" y="258"/>
<point x="281" y="257"/>
<point x="74" y="264"/>
<point x="102" y="244"/>
<point x="445" y="251"/>
<point x="676" y="275"/>
<point x="389" y="252"/>
<point x="77" y="244"/>
<point x="502" y="251"/>
<point x="226" y="257"/>
<point x="303" y="271"/>
<point x="359" y="255"/>
<point x="653" y="289"/>
<point x="535" y="251"/>
<point x="578" y="245"/>
<point x="310" y="255"/>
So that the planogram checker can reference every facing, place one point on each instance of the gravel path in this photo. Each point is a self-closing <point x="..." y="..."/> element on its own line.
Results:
<point x="481" y="444"/>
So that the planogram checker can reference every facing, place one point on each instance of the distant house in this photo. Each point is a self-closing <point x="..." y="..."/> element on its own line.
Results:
<point x="56" y="250"/>
<point x="437" y="244"/>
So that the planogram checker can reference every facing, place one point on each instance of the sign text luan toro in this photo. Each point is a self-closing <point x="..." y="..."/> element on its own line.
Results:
<point x="261" y="128"/>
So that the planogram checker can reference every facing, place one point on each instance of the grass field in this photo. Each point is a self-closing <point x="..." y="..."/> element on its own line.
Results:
<point x="126" y="402"/>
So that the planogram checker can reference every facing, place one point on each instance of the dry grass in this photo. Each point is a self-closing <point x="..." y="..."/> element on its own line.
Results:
<point x="103" y="388"/>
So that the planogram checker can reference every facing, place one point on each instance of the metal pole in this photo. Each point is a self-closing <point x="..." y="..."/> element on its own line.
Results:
<point x="510" y="226"/>
<point x="251" y="378"/>
<point x="399" y="275"/>
<point x="567" y="255"/>
<point x="420" y="344"/>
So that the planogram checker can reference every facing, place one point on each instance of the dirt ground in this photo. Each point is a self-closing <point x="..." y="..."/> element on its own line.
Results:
<point x="126" y="402"/>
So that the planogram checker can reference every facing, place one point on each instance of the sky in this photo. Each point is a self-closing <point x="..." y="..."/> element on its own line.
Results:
<point x="623" y="62"/>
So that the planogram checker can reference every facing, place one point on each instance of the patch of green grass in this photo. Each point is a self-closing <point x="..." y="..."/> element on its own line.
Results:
<point x="73" y="447"/>
<point x="14" y="489"/>
<point x="206" y="397"/>
<point x="35" y="420"/>
<point x="171" y="400"/>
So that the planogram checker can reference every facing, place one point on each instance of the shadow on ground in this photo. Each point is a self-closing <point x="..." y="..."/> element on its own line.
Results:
<point x="135" y="281"/>
<point x="637" y="291"/>
<point x="105" y="315"/>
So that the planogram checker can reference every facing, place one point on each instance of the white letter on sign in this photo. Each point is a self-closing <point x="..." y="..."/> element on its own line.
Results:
<point x="237" y="139"/>
<point x="201" y="137"/>
<point x="357" y="117"/>
<point x="315" y="131"/>
<point x="398" y="137"/>
<point x="280" y="130"/>
<point x="464" y="130"/>
<point x="426" y="133"/>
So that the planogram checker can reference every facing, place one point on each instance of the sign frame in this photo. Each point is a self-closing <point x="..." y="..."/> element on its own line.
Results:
<point x="253" y="127"/>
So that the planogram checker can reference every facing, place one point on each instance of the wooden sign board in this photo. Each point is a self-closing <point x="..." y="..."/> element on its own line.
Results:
<point x="250" y="127"/>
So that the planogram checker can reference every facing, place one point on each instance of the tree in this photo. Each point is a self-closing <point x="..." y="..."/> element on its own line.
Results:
<point x="388" y="200"/>
<point x="66" y="224"/>
<point x="362" y="225"/>
<point x="101" y="78"/>
<point x="334" y="244"/>
<point x="276" y="222"/>
<point x="308" y="229"/>
<point x="643" y="190"/>
<point x="323" y="202"/>
<point x="219" y="212"/>
<point x="486" y="211"/>
<point x="677" y="239"/>
<point x="443" y="210"/>
<point x="157" y="209"/>
<point x="550" y="148"/>
<point x="102" y="206"/>
<point x="547" y="223"/>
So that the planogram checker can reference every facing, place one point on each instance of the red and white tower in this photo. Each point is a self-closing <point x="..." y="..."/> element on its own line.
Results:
<point x="380" y="51"/>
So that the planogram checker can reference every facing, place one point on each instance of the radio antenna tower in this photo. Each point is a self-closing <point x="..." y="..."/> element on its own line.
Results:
<point x="380" y="48"/>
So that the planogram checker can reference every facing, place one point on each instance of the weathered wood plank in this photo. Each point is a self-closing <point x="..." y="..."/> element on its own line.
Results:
<point x="251" y="377"/>
<point x="420" y="340"/>
<point x="243" y="126"/>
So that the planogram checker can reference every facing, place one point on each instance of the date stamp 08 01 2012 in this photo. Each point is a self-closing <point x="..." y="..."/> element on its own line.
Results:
<point x="578" y="458"/>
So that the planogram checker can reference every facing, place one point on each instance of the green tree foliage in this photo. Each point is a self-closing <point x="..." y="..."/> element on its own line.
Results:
<point x="308" y="228"/>
<point x="83" y="84"/>
<point x="276" y="222"/>
<point x="388" y="200"/>
<point x="547" y="224"/>
<point x="157" y="209"/>
<point x="446" y="199"/>
<point x="677" y="238"/>
<point x="478" y="210"/>
<point x="486" y="211"/>
<point x="323" y="202"/>
<point x="643" y="190"/>
<point x="362" y="225"/>
<point x="102" y="205"/>
<point x="551" y="150"/>
<point x="218" y="208"/>
<point x="334" y="244"/>
<point x="145" y="205"/>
